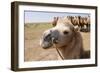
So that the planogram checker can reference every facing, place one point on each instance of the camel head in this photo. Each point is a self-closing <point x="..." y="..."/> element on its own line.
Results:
<point x="60" y="35"/>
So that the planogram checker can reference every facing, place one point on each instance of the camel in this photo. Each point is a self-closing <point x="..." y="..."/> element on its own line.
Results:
<point x="80" y="21"/>
<point x="66" y="37"/>
<point x="55" y="21"/>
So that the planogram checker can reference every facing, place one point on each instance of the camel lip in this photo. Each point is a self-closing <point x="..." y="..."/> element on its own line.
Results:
<point x="46" y="47"/>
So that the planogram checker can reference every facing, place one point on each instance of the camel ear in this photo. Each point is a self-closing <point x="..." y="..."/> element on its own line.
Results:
<point x="55" y="19"/>
<point x="76" y="28"/>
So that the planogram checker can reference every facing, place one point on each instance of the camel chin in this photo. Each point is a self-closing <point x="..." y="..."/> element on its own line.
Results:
<point x="46" y="45"/>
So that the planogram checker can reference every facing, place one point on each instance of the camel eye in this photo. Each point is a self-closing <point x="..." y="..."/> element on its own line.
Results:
<point x="65" y="32"/>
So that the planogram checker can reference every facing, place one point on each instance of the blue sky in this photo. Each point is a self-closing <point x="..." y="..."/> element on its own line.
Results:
<point x="37" y="16"/>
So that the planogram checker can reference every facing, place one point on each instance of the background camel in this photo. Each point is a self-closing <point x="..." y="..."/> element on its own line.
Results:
<point x="67" y="39"/>
<point x="83" y="22"/>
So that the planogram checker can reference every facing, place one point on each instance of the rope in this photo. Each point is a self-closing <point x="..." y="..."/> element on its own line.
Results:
<point x="59" y="52"/>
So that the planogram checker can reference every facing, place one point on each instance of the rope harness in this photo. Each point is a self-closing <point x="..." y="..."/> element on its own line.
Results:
<point x="59" y="53"/>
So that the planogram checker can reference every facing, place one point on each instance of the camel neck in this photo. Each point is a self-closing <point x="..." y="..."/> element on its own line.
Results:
<point x="71" y="51"/>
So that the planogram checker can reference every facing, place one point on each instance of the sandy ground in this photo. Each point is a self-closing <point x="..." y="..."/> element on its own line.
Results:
<point x="34" y="52"/>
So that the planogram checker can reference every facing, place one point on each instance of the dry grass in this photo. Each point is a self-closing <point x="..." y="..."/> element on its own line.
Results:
<point x="33" y="51"/>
